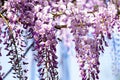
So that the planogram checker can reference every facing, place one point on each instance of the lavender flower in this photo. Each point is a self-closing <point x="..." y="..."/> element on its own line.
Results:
<point x="42" y="19"/>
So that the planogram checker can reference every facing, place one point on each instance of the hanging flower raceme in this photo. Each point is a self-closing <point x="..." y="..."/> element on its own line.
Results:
<point x="14" y="41"/>
<point x="95" y="16"/>
<point x="45" y="44"/>
<point x="46" y="57"/>
<point x="36" y="18"/>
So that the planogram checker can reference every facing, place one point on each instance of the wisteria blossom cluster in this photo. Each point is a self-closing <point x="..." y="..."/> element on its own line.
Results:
<point x="88" y="21"/>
